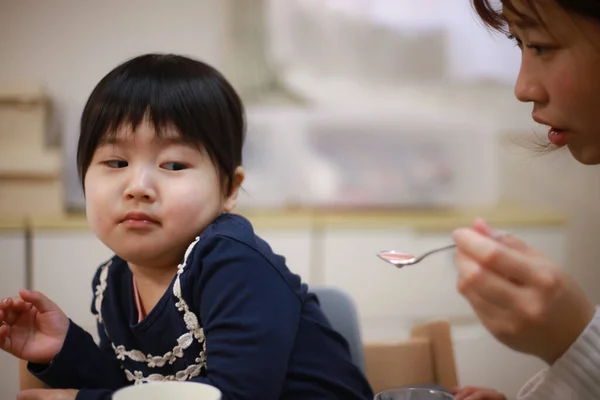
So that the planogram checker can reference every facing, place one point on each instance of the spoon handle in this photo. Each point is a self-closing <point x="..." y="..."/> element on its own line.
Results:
<point x="496" y="236"/>
<point x="435" y="251"/>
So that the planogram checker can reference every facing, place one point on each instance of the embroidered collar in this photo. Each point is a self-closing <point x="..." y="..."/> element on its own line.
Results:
<point x="194" y="332"/>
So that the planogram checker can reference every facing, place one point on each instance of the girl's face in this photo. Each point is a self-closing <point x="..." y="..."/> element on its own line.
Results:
<point x="560" y="74"/>
<point x="147" y="197"/>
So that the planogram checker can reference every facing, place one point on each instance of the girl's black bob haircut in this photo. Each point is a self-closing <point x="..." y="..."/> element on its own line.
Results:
<point x="169" y="91"/>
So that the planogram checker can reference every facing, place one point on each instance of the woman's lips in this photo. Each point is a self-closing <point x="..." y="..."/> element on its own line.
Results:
<point x="558" y="137"/>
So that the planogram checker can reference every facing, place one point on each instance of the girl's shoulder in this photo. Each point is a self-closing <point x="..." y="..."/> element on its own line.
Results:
<point x="230" y="249"/>
<point x="230" y="236"/>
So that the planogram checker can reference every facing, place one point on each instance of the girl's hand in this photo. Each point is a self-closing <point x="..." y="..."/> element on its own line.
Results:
<point x="32" y="327"/>
<point x="47" y="394"/>
<point x="477" y="393"/>
<point x="521" y="297"/>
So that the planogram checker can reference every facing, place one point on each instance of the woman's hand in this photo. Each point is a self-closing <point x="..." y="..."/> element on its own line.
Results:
<point x="521" y="297"/>
<point x="32" y="327"/>
<point x="47" y="394"/>
<point x="477" y="393"/>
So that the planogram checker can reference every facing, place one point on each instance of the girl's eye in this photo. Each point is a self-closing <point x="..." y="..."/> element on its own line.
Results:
<point x="174" y="166"/>
<point x="116" y="163"/>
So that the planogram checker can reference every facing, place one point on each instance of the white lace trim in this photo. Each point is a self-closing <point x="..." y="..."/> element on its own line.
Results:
<point x="195" y="332"/>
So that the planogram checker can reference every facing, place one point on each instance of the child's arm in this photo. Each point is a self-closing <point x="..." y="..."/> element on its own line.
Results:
<point x="83" y="364"/>
<point x="250" y="319"/>
<point x="32" y="327"/>
<point x="60" y="354"/>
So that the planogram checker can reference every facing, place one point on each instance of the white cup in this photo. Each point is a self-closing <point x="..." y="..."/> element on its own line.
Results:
<point x="168" y="391"/>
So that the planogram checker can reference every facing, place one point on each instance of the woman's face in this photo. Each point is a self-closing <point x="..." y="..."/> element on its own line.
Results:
<point x="560" y="74"/>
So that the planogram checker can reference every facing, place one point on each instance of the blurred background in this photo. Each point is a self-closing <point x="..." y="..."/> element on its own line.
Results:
<point x="372" y="124"/>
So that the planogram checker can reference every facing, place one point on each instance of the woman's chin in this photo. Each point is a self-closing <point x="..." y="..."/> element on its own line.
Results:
<point x="586" y="154"/>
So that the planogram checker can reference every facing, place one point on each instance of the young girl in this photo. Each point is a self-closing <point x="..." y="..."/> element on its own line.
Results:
<point x="192" y="293"/>
<point x="523" y="298"/>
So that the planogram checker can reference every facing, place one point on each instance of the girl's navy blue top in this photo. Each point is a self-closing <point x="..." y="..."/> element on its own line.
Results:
<point x="234" y="317"/>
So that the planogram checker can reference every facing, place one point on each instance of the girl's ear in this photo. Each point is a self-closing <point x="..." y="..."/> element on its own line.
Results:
<point x="231" y="200"/>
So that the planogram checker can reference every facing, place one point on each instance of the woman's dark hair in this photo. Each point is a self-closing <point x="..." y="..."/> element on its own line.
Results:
<point x="169" y="91"/>
<point x="494" y="18"/>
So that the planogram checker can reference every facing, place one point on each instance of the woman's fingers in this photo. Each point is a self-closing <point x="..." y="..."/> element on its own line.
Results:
<point x="492" y="297"/>
<point x="488" y="285"/>
<point x="495" y="256"/>
<point x="481" y="226"/>
<point x="488" y="313"/>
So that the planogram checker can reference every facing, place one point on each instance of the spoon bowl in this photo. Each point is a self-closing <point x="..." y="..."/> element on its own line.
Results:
<point x="400" y="260"/>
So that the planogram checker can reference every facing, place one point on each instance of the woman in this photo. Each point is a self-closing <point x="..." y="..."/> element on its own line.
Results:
<point x="521" y="297"/>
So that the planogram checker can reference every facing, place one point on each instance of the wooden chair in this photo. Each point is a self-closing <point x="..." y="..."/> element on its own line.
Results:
<point x="426" y="358"/>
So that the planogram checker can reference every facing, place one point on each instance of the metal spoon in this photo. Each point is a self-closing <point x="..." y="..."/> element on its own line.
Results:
<point x="400" y="260"/>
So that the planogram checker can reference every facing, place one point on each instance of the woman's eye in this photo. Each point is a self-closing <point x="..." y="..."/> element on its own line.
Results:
<point x="116" y="163"/>
<point x="515" y="40"/>
<point x="538" y="49"/>
<point x="174" y="166"/>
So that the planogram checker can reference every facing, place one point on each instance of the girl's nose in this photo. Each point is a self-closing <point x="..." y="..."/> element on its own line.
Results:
<point x="141" y="186"/>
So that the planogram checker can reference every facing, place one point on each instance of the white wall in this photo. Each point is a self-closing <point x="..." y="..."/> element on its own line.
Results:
<point x="70" y="44"/>
<point x="12" y="278"/>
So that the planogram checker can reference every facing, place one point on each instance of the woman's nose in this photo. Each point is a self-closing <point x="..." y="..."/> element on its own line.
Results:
<point x="529" y="86"/>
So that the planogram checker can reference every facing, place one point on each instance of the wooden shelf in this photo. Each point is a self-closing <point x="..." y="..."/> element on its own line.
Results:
<point x="24" y="101"/>
<point x="23" y="93"/>
<point x="29" y="176"/>
<point x="509" y="216"/>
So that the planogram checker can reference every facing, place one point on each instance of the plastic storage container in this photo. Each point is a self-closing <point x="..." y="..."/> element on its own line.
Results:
<point x="367" y="158"/>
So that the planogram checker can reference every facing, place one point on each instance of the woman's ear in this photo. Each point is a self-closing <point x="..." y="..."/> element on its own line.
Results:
<point x="231" y="200"/>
